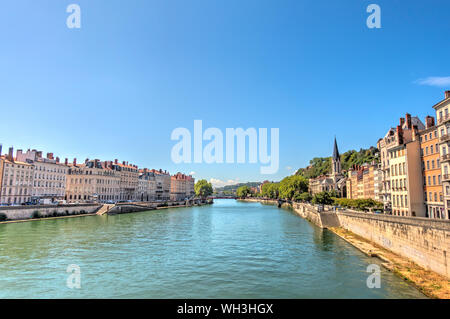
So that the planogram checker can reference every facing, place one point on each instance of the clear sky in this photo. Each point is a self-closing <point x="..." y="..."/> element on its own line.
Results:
<point x="136" y="70"/>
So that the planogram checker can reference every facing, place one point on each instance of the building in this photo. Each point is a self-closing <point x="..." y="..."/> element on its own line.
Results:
<point x="331" y="182"/>
<point x="129" y="180"/>
<point x="147" y="185"/>
<point x="181" y="187"/>
<point x="432" y="183"/>
<point x="17" y="180"/>
<point x="163" y="180"/>
<point x="405" y="168"/>
<point x="93" y="181"/>
<point x="362" y="182"/>
<point x="49" y="180"/>
<point x="443" y="131"/>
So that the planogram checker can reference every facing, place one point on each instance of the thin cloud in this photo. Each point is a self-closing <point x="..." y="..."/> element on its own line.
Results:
<point x="439" y="81"/>
<point x="220" y="183"/>
<point x="192" y="173"/>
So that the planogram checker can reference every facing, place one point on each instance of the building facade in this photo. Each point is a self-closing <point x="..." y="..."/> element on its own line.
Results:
<point x="443" y="131"/>
<point x="432" y="181"/>
<point x="147" y="186"/>
<point x="17" y="180"/>
<point x="49" y="180"/>
<point x="93" y="181"/>
<point x="163" y="180"/>
<point x="363" y="183"/>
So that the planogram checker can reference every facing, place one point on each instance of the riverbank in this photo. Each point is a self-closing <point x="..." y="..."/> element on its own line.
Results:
<point x="430" y="283"/>
<point x="20" y="214"/>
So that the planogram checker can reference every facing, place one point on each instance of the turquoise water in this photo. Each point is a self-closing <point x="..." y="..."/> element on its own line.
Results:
<point x="226" y="250"/>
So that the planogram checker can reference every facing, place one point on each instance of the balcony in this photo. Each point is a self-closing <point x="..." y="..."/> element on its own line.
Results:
<point x="444" y="138"/>
<point x="445" y="158"/>
<point x="444" y="119"/>
<point x="446" y="177"/>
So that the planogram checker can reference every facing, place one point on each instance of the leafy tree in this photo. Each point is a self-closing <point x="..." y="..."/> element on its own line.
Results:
<point x="243" y="191"/>
<point x="203" y="189"/>
<point x="303" y="197"/>
<point x="323" y="198"/>
<point x="270" y="190"/>
<point x="293" y="186"/>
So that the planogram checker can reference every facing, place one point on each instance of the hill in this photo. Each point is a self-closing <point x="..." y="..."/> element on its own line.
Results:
<point x="322" y="165"/>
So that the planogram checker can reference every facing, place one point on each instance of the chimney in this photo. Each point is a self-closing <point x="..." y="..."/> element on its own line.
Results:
<point x="415" y="130"/>
<point x="402" y="121"/>
<point x="66" y="161"/>
<point x="447" y="94"/>
<point x="39" y="154"/>
<point x="86" y="160"/>
<point x="399" y="134"/>
<point x="116" y="161"/>
<point x="50" y="156"/>
<point x="74" y="161"/>
<point x="123" y="162"/>
<point x="57" y="159"/>
<point x="429" y="121"/>
<point x="408" y="120"/>
<point x="18" y="153"/>
<point x="10" y="154"/>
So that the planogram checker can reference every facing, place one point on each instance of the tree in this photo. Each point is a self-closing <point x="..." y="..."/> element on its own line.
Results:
<point x="243" y="191"/>
<point x="203" y="189"/>
<point x="322" y="198"/>
<point x="293" y="186"/>
<point x="303" y="197"/>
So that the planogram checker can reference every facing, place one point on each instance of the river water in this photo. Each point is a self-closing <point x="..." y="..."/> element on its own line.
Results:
<point x="226" y="250"/>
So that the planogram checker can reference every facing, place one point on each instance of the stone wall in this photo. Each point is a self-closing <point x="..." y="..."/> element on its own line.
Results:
<point x="28" y="212"/>
<point x="424" y="241"/>
<point x="322" y="219"/>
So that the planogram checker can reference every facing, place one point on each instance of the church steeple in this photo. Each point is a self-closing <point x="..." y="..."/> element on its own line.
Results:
<point x="336" y="160"/>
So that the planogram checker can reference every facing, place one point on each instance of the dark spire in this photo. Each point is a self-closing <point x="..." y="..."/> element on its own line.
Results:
<point x="335" y="150"/>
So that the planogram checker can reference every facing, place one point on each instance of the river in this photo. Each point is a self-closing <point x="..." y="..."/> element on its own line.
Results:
<point x="226" y="250"/>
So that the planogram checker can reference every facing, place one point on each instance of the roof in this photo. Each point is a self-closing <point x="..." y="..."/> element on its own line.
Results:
<point x="335" y="150"/>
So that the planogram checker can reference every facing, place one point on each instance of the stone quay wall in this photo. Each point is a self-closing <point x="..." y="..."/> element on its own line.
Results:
<point x="42" y="211"/>
<point x="425" y="241"/>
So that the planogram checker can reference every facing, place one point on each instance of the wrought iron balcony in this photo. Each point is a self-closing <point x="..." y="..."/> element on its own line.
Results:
<point x="444" y="138"/>
<point x="445" y="157"/>
<point x="446" y="177"/>
<point x="444" y="118"/>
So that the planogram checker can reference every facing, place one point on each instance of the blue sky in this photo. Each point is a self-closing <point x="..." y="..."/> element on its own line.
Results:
<point x="136" y="70"/>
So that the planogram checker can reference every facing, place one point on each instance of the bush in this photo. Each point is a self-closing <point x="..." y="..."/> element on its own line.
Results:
<point x="358" y="204"/>
<point x="3" y="217"/>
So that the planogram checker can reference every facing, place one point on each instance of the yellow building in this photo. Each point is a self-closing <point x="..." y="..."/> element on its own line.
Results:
<point x="431" y="166"/>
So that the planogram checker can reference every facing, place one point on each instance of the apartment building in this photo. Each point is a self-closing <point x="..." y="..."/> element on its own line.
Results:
<point x="129" y="180"/>
<point x="147" y="185"/>
<point x="178" y="187"/>
<point x="405" y="167"/>
<point x="17" y="180"/>
<point x="443" y="131"/>
<point x="432" y="184"/>
<point x="163" y="181"/>
<point x="361" y="182"/>
<point x="93" y="181"/>
<point x="49" y="180"/>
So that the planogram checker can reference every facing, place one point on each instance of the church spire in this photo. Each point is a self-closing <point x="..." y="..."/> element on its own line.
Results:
<point x="335" y="151"/>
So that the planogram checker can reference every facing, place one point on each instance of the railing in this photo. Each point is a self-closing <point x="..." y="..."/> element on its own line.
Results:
<point x="446" y="177"/>
<point x="444" y="138"/>
<point x="445" y="157"/>
<point x="444" y="118"/>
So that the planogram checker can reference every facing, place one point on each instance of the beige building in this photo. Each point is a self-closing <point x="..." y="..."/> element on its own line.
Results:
<point x="147" y="185"/>
<point x="443" y="130"/>
<point x="163" y="181"/>
<point x="129" y="180"/>
<point x="17" y="181"/>
<point x="49" y="180"/>
<point x="181" y="187"/>
<point x="363" y="182"/>
<point x="93" y="181"/>
<point x="405" y="168"/>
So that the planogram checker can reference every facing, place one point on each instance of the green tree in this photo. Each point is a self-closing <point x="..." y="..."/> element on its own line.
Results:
<point x="303" y="197"/>
<point x="293" y="186"/>
<point x="243" y="191"/>
<point x="322" y="198"/>
<point x="203" y="188"/>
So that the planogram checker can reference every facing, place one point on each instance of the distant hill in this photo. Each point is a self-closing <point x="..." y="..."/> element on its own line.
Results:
<point x="231" y="189"/>
<point x="322" y="165"/>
